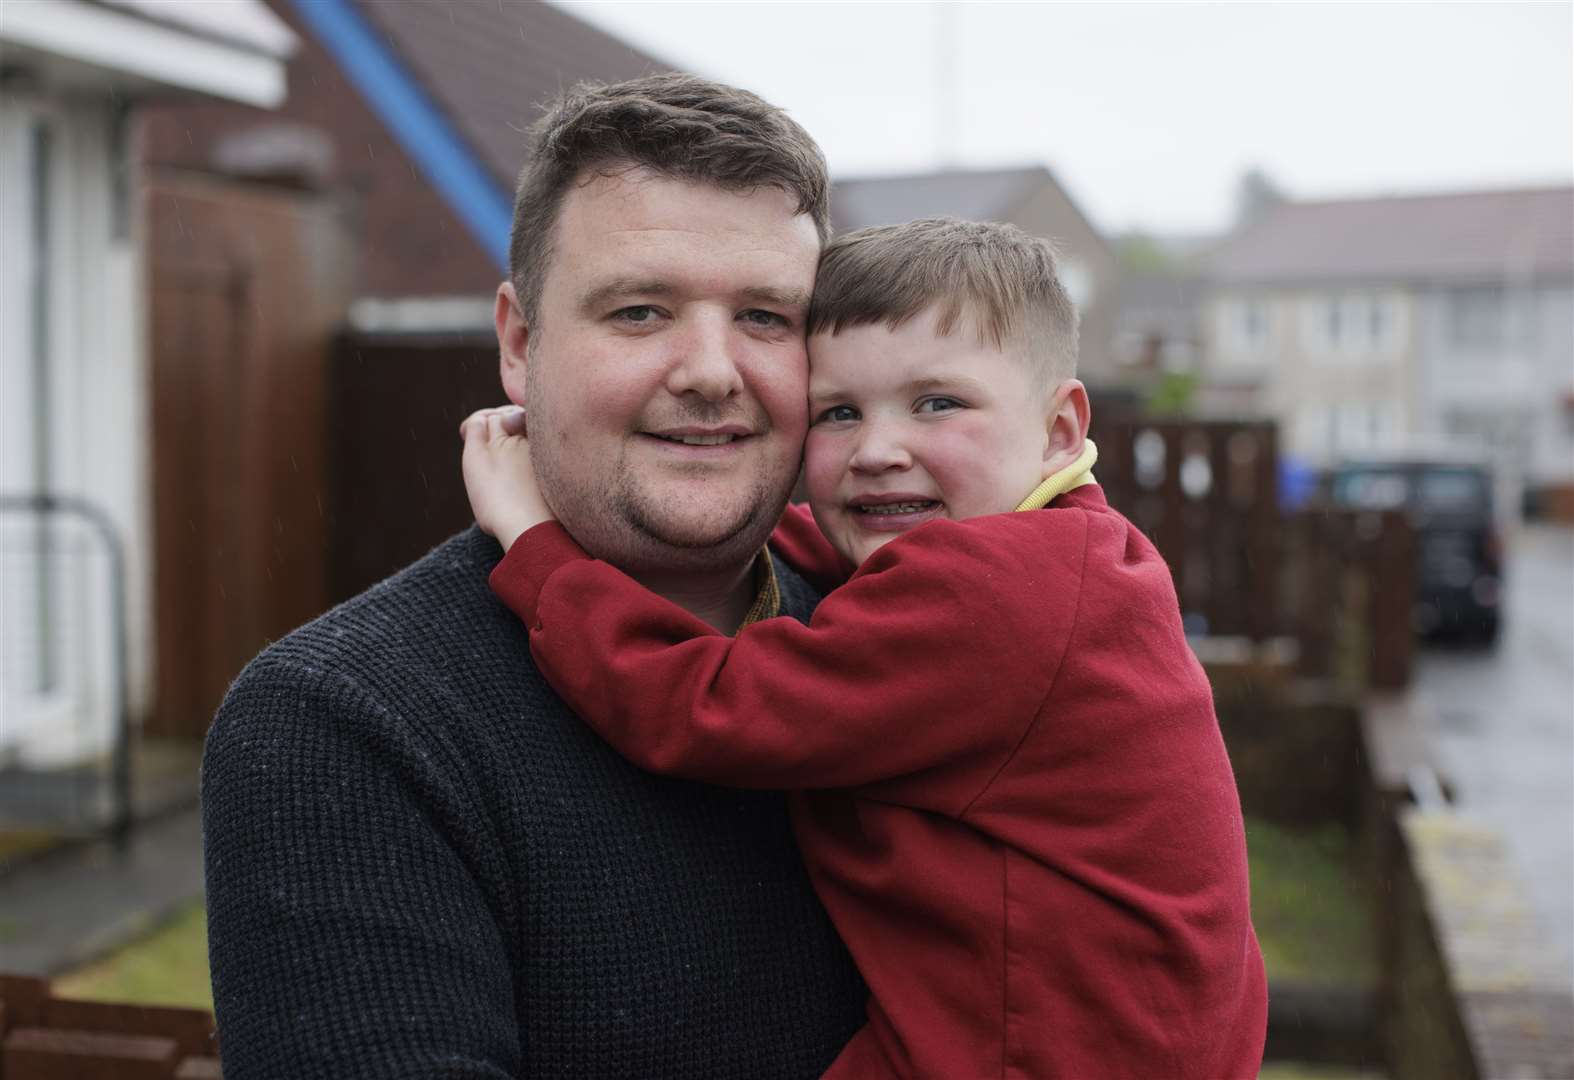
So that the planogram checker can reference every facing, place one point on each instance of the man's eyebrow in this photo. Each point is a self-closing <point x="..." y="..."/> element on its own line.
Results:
<point x="765" y="294"/>
<point x="618" y="288"/>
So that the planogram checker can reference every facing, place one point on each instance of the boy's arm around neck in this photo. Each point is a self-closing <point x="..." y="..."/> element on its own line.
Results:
<point x="920" y="675"/>
<point x="802" y="546"/>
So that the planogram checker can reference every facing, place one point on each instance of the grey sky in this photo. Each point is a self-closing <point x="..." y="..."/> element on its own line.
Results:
<point x="1149" y="112"/>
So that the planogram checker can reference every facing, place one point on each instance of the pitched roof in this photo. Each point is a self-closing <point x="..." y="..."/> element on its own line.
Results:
<point x="487" y="64"/>
<point x="1419" y="237"/>
<point x="976" y="194"/>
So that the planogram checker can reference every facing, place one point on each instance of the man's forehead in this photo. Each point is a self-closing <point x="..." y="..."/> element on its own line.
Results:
<point x="680" y="238"/>
<point x="634" y="208"/>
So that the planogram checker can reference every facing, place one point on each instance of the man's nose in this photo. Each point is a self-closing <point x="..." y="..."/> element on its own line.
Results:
<point x="879" y="448"/>
<point x="705" y="363"/>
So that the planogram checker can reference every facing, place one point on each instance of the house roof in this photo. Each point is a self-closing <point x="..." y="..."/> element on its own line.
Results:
<point x="249" y="24"/>
<point x="1419" y="237"/>
<point x="235" y="52"/>
<point x="976" y="194"/>
<point x="487" y="64"/>
<point x="455" y="83"/>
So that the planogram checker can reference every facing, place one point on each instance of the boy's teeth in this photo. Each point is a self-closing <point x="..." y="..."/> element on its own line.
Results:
<point x="700" y="440"/>
<point x="896" y="508"/>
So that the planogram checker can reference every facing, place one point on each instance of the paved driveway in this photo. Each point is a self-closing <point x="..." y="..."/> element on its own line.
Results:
<point x="1503" y="724"/>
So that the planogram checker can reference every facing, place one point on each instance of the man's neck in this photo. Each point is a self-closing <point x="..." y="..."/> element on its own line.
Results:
<point x="722" y="598"/>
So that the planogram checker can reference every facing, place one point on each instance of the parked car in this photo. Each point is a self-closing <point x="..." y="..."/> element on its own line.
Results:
<point x="1459" y="551"/>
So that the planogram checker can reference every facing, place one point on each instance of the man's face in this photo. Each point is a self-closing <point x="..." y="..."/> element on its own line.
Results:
<point x="664" y="380"/>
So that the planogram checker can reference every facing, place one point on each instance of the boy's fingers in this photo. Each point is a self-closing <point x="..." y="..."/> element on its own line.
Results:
<point x="477" y="417"/>
<point x="513" y="421"/>
<point x="481" y="416"/>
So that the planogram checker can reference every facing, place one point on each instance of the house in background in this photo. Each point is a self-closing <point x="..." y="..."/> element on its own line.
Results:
<point x="73" y="351"/>
<point x="414" y="116"/>
<point x="1362" y="323"/>
<point x="339" y="256"/>
<point x="1029" y="198"/>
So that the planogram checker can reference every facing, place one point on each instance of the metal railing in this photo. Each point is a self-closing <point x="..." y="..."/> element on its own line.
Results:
<point x="64" y="657"/>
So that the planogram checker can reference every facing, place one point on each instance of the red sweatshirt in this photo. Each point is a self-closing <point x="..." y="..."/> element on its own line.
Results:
<point x="1015" y="802"/>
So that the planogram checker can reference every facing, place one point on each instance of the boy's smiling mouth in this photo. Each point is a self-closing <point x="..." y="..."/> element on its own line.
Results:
<point x="894" y="512"/>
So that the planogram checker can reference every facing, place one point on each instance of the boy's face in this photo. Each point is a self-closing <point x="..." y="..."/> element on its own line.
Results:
<point x="907" y="426"/>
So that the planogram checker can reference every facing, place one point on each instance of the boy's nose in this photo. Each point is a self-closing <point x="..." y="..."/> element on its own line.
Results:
<point x="879" y="450"/>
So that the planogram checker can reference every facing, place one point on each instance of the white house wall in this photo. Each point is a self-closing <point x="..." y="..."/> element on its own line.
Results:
<point x="1509" y="390"/>
<point x="1269" y="357"/>
<point x="97" y="429"/>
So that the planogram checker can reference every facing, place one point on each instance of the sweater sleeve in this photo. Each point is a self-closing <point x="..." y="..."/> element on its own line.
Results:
<point x="919" y="677"/>
<point x="349" y="936"/>
<point x="802" y="546"/>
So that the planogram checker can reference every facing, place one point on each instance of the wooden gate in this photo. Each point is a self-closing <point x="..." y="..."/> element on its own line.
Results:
<point x="248" y="284"/>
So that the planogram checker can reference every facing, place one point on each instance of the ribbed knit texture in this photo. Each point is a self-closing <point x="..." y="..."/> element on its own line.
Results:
<point x="421" y="864"/>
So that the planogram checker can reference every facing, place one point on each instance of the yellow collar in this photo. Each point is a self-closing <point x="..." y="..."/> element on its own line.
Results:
<point x="1076" y="474"/>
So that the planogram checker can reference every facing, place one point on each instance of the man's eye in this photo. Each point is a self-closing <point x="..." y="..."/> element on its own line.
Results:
<point x="639" y="313"/>
<point x="766" y="319"/>
<point x="837" y="414"/>
<point x="939" y="404"/>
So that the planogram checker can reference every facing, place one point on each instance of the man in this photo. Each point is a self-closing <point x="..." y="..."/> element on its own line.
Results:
<point x="419" y="862"/>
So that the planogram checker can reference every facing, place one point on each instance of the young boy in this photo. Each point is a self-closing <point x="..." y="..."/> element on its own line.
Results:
<point x="1013" y="798"/>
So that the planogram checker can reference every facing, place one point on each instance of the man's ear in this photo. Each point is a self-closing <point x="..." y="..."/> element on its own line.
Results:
<point x="513" y="341"/>
<point x="1065" y="425"/>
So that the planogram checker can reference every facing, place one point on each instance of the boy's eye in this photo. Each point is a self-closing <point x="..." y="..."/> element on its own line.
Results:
<point x="837" y="414"/>
<point x="939" y="404"/>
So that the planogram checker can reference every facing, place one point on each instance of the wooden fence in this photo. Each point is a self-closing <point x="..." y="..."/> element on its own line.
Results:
<point x="44" y="1038"/>
<point x="1337" y="583"/>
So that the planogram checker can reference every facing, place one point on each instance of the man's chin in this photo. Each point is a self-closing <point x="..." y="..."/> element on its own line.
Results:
<point x="719" y="532"/>
<point x="697" y="523"/>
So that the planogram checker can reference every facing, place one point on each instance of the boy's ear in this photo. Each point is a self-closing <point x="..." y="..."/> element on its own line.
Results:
<point x="1066" y="426"/>
<point x="513" y="341"/>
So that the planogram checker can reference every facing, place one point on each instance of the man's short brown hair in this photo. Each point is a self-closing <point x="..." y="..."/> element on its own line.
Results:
<point x="998" y="278"/>
<point x="679" y="126"/>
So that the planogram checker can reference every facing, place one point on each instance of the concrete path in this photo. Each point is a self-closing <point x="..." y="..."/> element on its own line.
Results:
<point x="1503" y="725"/>
<point x="74" y="904"/>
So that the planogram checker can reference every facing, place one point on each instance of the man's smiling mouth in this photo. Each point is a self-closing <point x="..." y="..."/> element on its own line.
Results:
<point x="699" y="440"/>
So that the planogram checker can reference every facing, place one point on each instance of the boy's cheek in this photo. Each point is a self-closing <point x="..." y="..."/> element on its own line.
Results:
<point x="823" y="467"/>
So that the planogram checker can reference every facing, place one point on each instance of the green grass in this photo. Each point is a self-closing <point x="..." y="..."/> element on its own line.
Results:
<point x="168" y="966"/>
<point x="1296" y="1070"/>
<point x="1312" y="914"/>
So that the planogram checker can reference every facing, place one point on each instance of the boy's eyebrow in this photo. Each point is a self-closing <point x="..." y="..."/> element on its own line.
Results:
<point x="945" y="382"/>
<point x="618" y="288"/>
<point x="965" y="383"/>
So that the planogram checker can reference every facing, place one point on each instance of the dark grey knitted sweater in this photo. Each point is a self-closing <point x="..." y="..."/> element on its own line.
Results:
<point x="420" y="864"/>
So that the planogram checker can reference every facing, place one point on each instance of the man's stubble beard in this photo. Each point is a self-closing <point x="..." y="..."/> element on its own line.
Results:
<point x="614" y="518"/>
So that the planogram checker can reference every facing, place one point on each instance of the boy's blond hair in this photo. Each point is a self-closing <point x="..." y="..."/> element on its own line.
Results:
<point x="997" y="277"/>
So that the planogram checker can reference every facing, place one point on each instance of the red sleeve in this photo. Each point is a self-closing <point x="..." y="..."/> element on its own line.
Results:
<point x="919" y="676"/>
<point x="802" y="546"/>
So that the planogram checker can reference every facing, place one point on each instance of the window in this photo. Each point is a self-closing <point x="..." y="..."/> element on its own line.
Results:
<point x="1350" y="324"/>
<point x="1475" y="317"/>
<point x="1245" y="324"/>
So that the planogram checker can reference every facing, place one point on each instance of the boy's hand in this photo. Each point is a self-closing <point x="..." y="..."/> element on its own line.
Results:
<point x="498" y="475"/>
